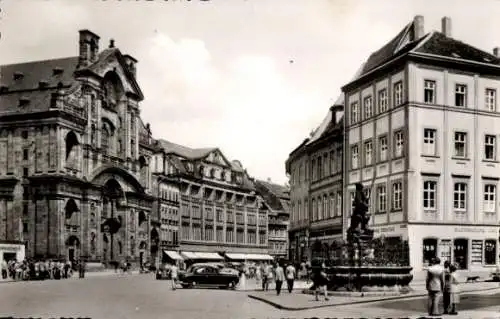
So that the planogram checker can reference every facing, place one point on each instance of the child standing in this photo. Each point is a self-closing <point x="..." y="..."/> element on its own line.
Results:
<point x="454" y="289"/>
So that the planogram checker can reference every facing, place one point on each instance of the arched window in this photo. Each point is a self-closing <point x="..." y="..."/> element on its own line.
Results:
<point x="142" y="217"/>
<point x="93" y="135"/>
<point x="71" y="144"/>
<point x="132" y="246"/>
<point x="70" y="208"/>
<point x="105" y="134"/>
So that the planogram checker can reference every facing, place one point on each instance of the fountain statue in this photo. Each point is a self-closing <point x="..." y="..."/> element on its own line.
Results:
<point x="365" y="264"/>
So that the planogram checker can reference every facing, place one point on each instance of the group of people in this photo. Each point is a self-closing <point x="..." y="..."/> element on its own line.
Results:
<point x="31" y="269"/>
<point x="442" y="280"/>
<point x="279" y="273"/>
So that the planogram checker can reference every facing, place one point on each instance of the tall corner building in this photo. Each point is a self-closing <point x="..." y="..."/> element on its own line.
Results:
<point x="422" y="125"/>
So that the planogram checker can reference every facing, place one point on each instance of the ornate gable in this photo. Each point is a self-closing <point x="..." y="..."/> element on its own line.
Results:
<point x="216" y="157"/>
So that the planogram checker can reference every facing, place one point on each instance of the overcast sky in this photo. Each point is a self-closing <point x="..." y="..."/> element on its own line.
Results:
<point x="252" y="77"/>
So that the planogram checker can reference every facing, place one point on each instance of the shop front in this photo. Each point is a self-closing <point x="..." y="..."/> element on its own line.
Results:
<point x="472" y="248"/>
<point x="12" y="250"/>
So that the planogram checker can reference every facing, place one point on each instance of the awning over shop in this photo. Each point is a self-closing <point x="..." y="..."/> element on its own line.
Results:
<point x="200" y="255"/>
<point x="237" y="256"/>
<point x="213" y="256"/>
<point x="172" y="254"/>
<point x="188" y="255"/>
<point x="259" y="257"/>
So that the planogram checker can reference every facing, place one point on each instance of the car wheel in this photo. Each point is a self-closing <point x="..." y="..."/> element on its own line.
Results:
<point x="232" y="285"/>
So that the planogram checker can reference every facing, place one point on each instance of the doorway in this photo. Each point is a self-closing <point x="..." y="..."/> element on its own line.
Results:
<point x="460" y="252"/>
<point x="141" y="259"/>
<point x="71" y="254"/>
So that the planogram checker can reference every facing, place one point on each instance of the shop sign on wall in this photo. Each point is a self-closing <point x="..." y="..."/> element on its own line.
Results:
<point x="11" y="248"/>
<point x="475" y="230"/>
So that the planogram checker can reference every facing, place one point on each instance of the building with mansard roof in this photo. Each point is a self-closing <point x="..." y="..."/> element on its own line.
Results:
<point x="74" y="157"/>
<point x="220" y="214"/>
<point x="421" y="132"/>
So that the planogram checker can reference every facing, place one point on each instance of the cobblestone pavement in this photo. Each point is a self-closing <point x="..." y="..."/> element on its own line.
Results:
<point x="140" y="296"/>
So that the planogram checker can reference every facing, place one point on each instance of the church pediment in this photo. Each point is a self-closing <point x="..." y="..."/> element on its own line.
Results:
<point x="111" y="60"/>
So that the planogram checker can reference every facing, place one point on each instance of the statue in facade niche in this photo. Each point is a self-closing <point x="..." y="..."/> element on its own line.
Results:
<point x="360" y="217"/>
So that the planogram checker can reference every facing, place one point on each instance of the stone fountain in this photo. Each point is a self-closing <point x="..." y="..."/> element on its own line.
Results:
<point x="363" y="266"/>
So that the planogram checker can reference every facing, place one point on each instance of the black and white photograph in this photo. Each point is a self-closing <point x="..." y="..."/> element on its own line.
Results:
<point x="249" y="159"/>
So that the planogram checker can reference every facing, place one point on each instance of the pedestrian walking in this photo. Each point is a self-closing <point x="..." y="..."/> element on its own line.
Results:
<point x="290" y="276"/>
<point x="435" y="286"/>
<point x="446" y="290"/>
<point x="454" y="289"/>
<point x="173" y="276"/>
<point x="280" y="277"/>
<point x="320" y="281"/>
<point x="5" y="268"/>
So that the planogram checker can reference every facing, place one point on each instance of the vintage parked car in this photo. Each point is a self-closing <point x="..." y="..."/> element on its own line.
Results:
<point x="208" y="275"/>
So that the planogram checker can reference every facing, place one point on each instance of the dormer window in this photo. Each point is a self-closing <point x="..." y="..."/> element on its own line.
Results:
<point x="18" y="75"/>
<point x="23" y="101"/>
<point x="43" y="84"/>
<point x="212" y="173"/>
<point x="57" y="71"/>
<point x="223" y="175"/>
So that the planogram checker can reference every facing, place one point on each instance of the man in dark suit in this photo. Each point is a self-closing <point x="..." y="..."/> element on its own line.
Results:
<point x="435" y="285"/>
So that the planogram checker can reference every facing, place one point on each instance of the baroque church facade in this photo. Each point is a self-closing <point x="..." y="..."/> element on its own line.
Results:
<point x="75" y="180"/>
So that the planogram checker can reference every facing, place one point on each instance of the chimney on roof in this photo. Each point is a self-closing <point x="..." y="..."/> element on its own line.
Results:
<point x="89" y="48"/>
<point x="131" y="62"/>
<point x="269" y="180"/>
<point x="446" y="26"/>
<point x="496" y="52"/>
<point x="418" y="27"/>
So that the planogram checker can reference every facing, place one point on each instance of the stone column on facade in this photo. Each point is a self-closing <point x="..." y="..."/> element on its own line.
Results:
<point x="62" y="234"/>
<point x="3" y="218"/>
<point x="10" y="152"/>
<point x="84" y="216"/>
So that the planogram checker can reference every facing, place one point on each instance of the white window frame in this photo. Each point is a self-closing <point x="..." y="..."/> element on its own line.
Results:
<point x="354" y="112"/>
<point x="382" y="100"/>
<point x="490" y="99"/>
<point x="355" y="156"/>
<point x="430" y="86"/>
<point x="368" y="107"/>
<point x="461" y="91"/>
<point x="490" y="141"/>
<point x="489" y="197"/>
<point x="460" y="189"/>
<point x="430" y="139"/>
<point x="384" y="148"/>
<point x="368" y="152"/>
<point x="382" y="198"/>
<point x="460" y="138"/>
<point x="429" y="194"/>
<point x="398" y="143"/>
<point x="338" y="199"/>
<point x="397" y="195"/>
<point x="398" y="93"/>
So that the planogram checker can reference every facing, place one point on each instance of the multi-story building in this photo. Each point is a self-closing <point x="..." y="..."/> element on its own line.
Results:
<point x="421" y="130"/>
<point x="277" y="199"/>
<point x="315" y="170"/>
<point x="166" y="206"/>
<point x="220" y="212"/>
<point x="74" y="156"/>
